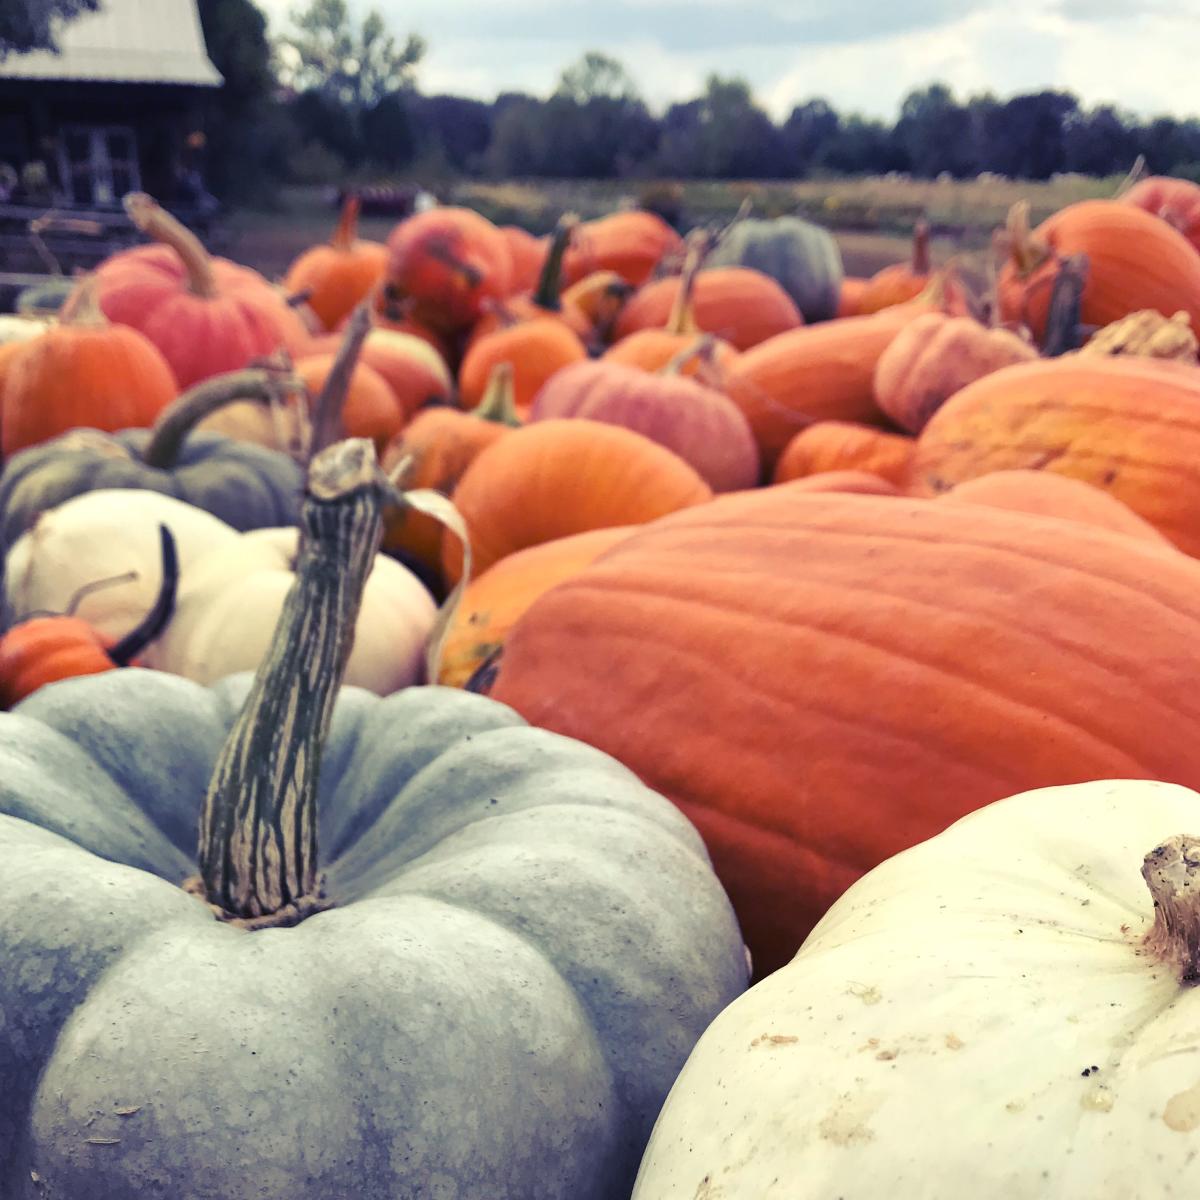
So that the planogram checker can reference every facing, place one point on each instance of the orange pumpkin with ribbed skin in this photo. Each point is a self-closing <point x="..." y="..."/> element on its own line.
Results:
<point x="862" y="483"/>
<point x="494" y="601"/>
<point x="741" y="306"/>
<point x="1176" y="201"/>
<point x="816" y="373"/>
<point x="338" y="276"/>
<point x="1135" y="261"/>
<point x="206" y="315"/>
<point x="445" y="265"/>
<point x="410" y="366"/>
<point x="845" y="446"/>
<point x="82" y="372"/>
<point x="556" y="478"/>
<point x="442" y="443"/>
<point x="933" y="357"/>
<point x="1050" y="495"/>
<point x="371" y="409"/>
<point x="528" y="254"/>
<point x="850" y="296"/>
<point x="1130" y="426"/>
<point x="536" y="349"/>
<point x="901" y="281"/>
<point x="819" y="681"/>
<point x="630" y="243"/>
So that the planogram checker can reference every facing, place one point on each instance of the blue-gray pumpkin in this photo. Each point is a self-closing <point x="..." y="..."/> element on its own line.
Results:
<point x="246" y="485"/>
<point x="801" y="257"/>
<point x="489" y="992"/>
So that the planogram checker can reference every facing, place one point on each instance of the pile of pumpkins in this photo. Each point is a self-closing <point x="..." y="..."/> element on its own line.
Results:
<point x="658" y="714"/>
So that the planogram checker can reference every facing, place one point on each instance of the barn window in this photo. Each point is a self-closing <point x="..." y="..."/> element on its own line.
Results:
<point x="98" y="163"/>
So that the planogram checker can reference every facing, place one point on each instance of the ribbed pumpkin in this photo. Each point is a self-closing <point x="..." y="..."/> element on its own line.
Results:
<point x="442" y="443"/>
<point x="494" y="602"/>
<point x="206" y="315"/>
<point x="703" y="426"/>
<point x="556" y="478"/>
<point x="340" y="275"/>
<point x="445" y="265"/>
<point x="528" y="254"/>
<point x="1051" y="495"/>
<point x="933" y="357"/>
<point x="83" y="372"/>
<point x="1130" y="426"/>
<point x="1134" y="261"/>
<point x="371" y="410"/>
<point x="818" y="373"/>
<point x="1176" y="201"/>
<point x="861" y="483"/>
<point x="869" y="669"/>
<point x="741" y="306"/>
<point x="535" y="349"/>
<point x="630" y="243"/>
<point x="845" y="446"/>
<point x="901" y="281"/>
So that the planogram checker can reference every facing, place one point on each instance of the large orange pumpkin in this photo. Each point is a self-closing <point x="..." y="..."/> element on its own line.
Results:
<point x="1176" y="201"/>
<point x="850" y="296"/>
<point x="630" y="243"/>
<point x="340" y="275"/>
<point x="1134" y="261"/>
<point x="206" y="315"/>
<point x="820" y="681"/>
<point x="556" y="478"/>
<point x="1130" y="426"/>
<point x="901" y="281"/>
<point x="845" y="446"/>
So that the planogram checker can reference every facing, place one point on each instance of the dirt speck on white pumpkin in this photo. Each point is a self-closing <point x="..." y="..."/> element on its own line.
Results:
<point x="867" y="993"/>
<point x="954" y="1042"/>
<point x="845" y="1124"/>
<point x="1183" y="1110"/>
<point x="774" y="1039"/>
<point x="1100" y="1099"/>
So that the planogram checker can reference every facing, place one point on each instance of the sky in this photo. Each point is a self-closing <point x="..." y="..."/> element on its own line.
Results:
<point x="861" y="55"/>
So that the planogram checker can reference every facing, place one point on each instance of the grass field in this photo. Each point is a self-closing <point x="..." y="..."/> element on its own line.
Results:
<point x="871" y="218"/>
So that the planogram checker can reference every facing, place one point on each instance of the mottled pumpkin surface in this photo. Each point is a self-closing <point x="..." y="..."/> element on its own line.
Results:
<point x="822" y="680"/>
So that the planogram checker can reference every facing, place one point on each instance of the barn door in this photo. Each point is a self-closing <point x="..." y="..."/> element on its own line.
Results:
<point x="98" y="164"/>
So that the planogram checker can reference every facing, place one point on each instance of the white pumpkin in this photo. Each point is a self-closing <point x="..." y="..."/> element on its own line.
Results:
<point x="21" y="329"/>
<point x="229" y="604"/>
<point x="982" y="1016"/>
<point x="103" y="535"/>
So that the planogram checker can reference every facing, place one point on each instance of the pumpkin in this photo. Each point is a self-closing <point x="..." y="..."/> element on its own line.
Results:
<point x="110" y="535"/>
<point x="869" y="668"/>
<point x="698" y="423"/>
<point x="801" y="257"/>
<point x="844" y="446"/>
<point x="83" y="371"/>
<point x="1176" y="201"/>
<point x="1052" y="496"/>
<point x="901" y="281"/>
<point x="528" y="255"/>
<point x="392" y="319"/>
<point x="558" y="477"/>
<point x="371" y="408"/>
<point x="1068" y="913"/>
<point x="850" y="296"/>
<point x="440" y="444"/>
<point x="445" y="265"/>
<point x="817" y="373"/>
<point x="478" y="883"/>
<point x="494" y="602"/>
<point x="863" y="483"/>
<point x="1130" y="426"/>
<point x="1134" y="261"/>
<point x="247" y="486"/>
<point x="741" y="306"/>
<point x="206" y="315"/>
<point x="337" y="277"/>
<point x="933" y="357"/>
<point x="46" y="649"/>
<point x="535" y="349"/>
<point x="632" y="244"/>
<point x="16" y="328"/>
<point x="600" y="297"/>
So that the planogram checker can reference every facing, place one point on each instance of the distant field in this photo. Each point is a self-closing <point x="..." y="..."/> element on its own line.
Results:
<point x="871" y="217"/>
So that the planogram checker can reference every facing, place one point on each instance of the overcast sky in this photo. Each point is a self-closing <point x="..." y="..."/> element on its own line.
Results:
<point x="861" y="55"/>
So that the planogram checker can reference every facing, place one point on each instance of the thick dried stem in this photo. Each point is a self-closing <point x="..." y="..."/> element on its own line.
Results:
<point x="158" y="224"/>
<point x="327" y="410"/>
<point x="1172" y="873"/>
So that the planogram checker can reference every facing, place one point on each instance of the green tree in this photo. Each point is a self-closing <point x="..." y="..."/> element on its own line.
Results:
<point x="596" y="77"/>
<point x="936" y="133"/>
<point x="723" y="135"/>
<point x="33" y="24"/>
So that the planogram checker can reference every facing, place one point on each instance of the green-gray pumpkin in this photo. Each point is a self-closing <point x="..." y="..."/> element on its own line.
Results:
<point x="247" y="486"/>
<point x="802" y="257"/>
<point x="523" y="945"/>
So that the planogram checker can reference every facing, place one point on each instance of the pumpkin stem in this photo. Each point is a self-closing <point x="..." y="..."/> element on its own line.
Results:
<point x="498" y="403"/>
<point x="1139" y="171"/>
<point x="346" y="229"/>
<point x="1026" y="251"/>
<point x="920" y="248"/>
<point x="258" y="829"/>
<point x="702" y="349"/>
<point x="682" y="318"/>
<point x="548" y="294"/>
<point x="158" y="224"/>
<point x="327" y="410"/>
<point x="155" y="621"/>
<point x="179" y="419"/>
<point x="1172" y="873"/>
<point x="84" y="308"/>
<point x="1066" y="296"/>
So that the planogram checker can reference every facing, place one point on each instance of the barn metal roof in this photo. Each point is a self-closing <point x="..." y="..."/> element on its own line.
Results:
<point x="127" y="41"/>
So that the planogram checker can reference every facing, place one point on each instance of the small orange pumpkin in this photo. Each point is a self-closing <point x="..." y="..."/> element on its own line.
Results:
<point x="901" y="281"/>
<point x="630" y="243"/>
<point x="850" y="296"/>
<point x="536" y="349"/>
<point x="371" y="409"/>
<point x="845" y="446"/>
<point x="1176" y="201"/>
<point x="528" y="254"/>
